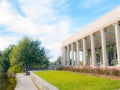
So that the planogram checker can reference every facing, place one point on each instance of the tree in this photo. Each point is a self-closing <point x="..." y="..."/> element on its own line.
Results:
<point x="28" y="52"/>
<point x="5" y="58"/>
<point x="110" y="53"/>
<point x="98" y="55"/>
<point x="57" y="61"/>
<point x="0" y="60"/>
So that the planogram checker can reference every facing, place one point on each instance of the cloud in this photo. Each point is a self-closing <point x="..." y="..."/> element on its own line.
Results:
<point x="90" y="3"/>
<point x="42" y="21"/>
<point x="6" y="41"/>
<point x="15" y="22"/>
<point x="39" y="10"/>
<point x="52" y="37"/>
<point x="23" y="26"/>
<point x="54" y="48"/>
<point x="5" y="14"/>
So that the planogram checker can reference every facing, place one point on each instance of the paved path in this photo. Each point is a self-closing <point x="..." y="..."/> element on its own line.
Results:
<point x="24" y="83"/>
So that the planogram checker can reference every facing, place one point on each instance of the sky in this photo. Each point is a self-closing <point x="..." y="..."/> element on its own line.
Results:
<point x="50" y="21"/>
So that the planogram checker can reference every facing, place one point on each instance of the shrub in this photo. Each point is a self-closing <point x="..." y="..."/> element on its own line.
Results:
<point x="16" y="69"/>
<point x="92" y="71"/>
<point x="60" y="67"/>
<point x="115" y="72"/>
<point x="106" y="71"/>
<point x="97" y="70"/>
<point x="10" y="74"/>
<point x="81" y="63"/>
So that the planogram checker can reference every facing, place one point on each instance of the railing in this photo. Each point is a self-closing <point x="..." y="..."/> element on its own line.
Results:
<point x="42" y="84"/>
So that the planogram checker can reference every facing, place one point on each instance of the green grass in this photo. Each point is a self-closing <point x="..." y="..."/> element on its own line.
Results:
<point x="72" y="81"/>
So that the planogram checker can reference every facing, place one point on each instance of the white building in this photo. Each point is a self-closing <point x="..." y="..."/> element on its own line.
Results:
<point x="100" y="34"/>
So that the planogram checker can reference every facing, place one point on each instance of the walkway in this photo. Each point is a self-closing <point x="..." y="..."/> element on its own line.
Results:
<point x="24" y="82"/>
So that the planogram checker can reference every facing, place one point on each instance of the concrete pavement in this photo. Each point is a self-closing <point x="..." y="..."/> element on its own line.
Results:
<point x="24" y="82"/>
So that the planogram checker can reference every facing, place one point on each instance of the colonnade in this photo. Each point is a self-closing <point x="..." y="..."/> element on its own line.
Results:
<point x="71" y="51"/>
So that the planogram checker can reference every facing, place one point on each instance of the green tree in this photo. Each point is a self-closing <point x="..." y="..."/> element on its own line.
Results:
<point x="5" y="58"/>
<point x="0" y="60"/>
<point x="110" y="53"/>
<point x="110" y="50"/>
<point x="57" y="61"/>
<point x="98" y="55"/>
<point x="28" y="52"/>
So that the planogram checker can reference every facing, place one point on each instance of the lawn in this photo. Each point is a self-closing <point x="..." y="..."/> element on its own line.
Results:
<point x="65" y="80"/>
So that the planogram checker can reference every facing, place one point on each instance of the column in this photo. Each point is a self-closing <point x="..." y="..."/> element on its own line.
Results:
<point x="68" y="55"/>
<point x="101" y="61"/>
<point x="117" y="35"/>
<point x="90" y="59"/>
<point x="63" y="56"/>
<point x="89" y="56"/>
<point x="82" y="59"/>
<point x="72" y="49"/>
<point x="94" y="62"/>
<point x="77" y="53"/>
<point x="84" y="53"/>
<point x="114" y="53"/>
<point x="104" y="49"/>
<point x="75" y="58"/>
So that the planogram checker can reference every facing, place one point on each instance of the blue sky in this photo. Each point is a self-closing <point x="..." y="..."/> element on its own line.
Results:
<point x="50" y="21"/>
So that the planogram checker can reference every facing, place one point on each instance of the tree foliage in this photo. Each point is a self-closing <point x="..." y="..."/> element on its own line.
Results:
<point x="5" y="58"/>
<point x="28" y="52"/>
<point x="57" y="61"/>
<point x="110" y="53"/>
